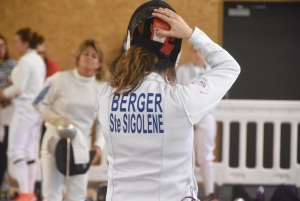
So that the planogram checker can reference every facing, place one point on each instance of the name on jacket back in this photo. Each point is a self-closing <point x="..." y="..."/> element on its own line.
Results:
<point x="137" y="113"/>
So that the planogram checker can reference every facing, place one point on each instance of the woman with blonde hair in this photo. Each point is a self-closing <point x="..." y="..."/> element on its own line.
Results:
<point x="147" y="119"/>
<point x="69" y="98"/>
<point x="27" y="80"/>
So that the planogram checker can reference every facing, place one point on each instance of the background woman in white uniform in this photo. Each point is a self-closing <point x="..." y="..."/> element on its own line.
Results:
<point x="27" y="78"/>
<point x="147" y="122"/>
<point x="69" y="97"/>
<point x="6" y="107"/>
<point x="205" y="129"/>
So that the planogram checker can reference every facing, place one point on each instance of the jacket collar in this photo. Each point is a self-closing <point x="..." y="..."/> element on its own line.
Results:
<point x="82" y="78"/>
<point x="155" y="77"/>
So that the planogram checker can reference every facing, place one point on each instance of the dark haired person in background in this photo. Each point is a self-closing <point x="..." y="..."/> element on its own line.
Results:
<point x="51" y="66"/>
<point x="27" y="80"/>
<point x="6" y="108"/>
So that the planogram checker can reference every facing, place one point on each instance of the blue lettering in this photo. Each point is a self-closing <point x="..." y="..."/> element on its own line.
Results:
<point x="111" y="122"/>
<point x="115" y="121"/>
<point x="160" y="123"/>
<point x="149" y="102"/>
<point x="155" y="124"/>
<point x="115" y="104"/>
<point x="144" y="131"/>
<point x="149" y="123"/>
<point x="141" y="109"/>
<point x="123" y="101"/>
<point x="125" y="123"/>
<point x="158" y="100"/>
<point x="119" y="125"/>
<point x="133" y="123"/>
<point x="139" y="124"/>
<point x="129" y="124"/>
<point x="131" y="101"/>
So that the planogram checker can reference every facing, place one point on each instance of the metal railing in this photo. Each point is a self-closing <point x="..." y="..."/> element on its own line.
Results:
<point x="242" y="112"/>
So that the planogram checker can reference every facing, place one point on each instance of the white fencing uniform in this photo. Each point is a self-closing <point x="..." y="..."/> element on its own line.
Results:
<point x="72" y="97"/>
<point x="27" y="77"/>
<point x="149" y="133"/>
<point x="205" y="131"/>
<point x="6" y="112"/>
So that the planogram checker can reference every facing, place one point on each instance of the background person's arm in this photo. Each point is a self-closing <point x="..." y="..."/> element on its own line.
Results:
<point x="21" y="77"/>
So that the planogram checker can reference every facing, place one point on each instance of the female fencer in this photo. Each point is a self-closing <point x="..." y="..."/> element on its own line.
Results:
<point x="27" y="80"/>
<point x="69" y="97"/>
<point x="147" y="120"/>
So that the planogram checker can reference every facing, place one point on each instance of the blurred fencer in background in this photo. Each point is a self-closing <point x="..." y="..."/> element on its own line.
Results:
<point x="6" y="107"/>
<point x="27" y="80"/>
<point x="51" y="66"/>
<point x="69" y="97"/>
<point x="205" y="129"/>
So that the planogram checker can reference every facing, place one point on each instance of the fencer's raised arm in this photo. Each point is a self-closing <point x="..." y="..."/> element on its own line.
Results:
<point x="202" y="94"/>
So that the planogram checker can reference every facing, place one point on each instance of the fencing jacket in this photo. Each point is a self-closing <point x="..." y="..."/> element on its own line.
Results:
<point x="72" y="97"/>
<point x="28" y="77"/>
<point x="188" y="72"/>
<point x="149" y="133"/>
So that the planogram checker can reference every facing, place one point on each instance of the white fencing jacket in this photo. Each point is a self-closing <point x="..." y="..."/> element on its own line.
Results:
<point x="149" y="133"/>
<point x="189" y="72"/>
<point x="27" y="77"/>
<point x="72" y="97"/>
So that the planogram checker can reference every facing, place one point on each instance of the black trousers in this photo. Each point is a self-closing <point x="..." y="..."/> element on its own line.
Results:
<point x="3" y="157"/>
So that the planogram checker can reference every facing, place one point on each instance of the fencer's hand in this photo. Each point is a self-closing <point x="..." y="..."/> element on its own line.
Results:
<point x="179" y="28"/>
<point x="97" y="156"/>
<point x="65" y="121"/>
<point x="60" y="121"/>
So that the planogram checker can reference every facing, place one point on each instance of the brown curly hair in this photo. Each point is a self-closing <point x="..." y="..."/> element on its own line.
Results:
<point x="136" y="64"/>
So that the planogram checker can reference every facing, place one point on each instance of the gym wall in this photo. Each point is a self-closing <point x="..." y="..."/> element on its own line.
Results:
<point x="66" y="23"/>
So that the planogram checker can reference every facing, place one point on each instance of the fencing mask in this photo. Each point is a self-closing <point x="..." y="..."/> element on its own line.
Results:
<point x="142" y="32"/>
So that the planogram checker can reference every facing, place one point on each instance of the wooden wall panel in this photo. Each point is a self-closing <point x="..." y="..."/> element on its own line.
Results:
<point x="65" y="23"/>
